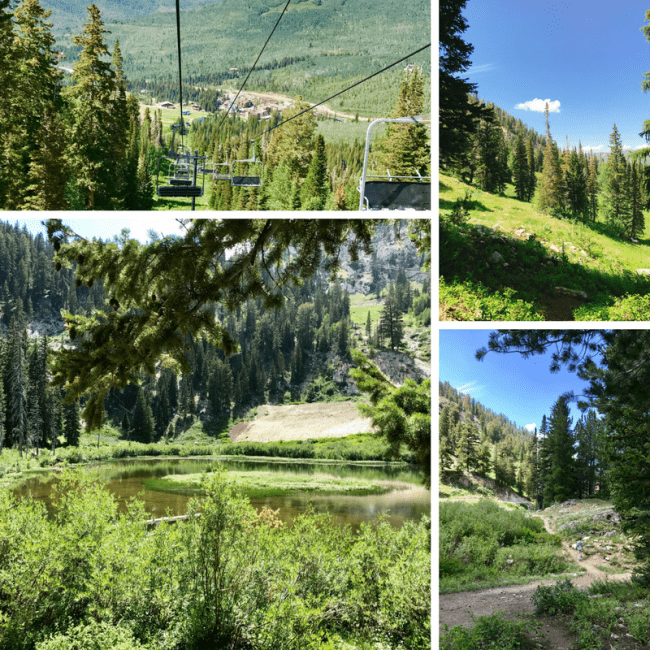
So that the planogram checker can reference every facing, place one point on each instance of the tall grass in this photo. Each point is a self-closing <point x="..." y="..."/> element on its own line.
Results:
<point x="483" y="545"/>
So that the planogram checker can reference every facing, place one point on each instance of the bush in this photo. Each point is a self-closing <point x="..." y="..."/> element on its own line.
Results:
<point x="489" y="633"/>
<point x="561" y="598"/>
<point x="93" y="636"/>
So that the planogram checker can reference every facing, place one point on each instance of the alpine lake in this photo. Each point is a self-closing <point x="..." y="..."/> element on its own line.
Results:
<point x="403" y="497"/>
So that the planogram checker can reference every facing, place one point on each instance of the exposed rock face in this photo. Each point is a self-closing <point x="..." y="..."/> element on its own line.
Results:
<point x="390" y="253"/>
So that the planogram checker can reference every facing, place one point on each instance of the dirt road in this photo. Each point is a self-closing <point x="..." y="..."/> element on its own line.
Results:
<point x="515" y="601"/>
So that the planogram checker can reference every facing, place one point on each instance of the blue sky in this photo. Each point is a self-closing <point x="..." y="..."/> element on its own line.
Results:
<point x="589" y="57"/>
<point x="107" y="228"/>
<point x="523" y="390"/>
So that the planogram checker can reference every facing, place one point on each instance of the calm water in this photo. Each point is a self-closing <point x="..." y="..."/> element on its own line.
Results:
<point x="125" y="480"/>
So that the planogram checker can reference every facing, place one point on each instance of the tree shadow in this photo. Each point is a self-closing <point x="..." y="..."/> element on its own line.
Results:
<point x="496" y="260"/>
<point x="472" y="204"/>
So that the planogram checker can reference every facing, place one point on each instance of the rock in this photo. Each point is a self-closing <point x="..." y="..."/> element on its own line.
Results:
<point x="555" y="249"/>
<point x="496" y="257"/>
<point x="643" y="271"/>
<point x="571" y="292"/>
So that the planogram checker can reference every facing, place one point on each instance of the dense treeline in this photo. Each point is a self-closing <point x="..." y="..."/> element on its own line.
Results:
<point x="298" y="352"/>
<point x="29" y="281"/>
<point x="554" y="463"/>
<point x="315" y="43"/>
<point x="81" y="146"/>
<point x="301" y="171"/>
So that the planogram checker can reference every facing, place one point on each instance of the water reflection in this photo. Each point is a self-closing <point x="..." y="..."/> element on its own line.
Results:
<point x="125" y="479"/>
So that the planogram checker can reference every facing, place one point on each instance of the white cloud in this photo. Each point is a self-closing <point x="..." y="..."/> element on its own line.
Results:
<point x="600" y="147"/>
<point x="537" y="105"/>
<point x="530" y="427"/>
<point x="486" y="67"/>
<point x="468" y="388"/>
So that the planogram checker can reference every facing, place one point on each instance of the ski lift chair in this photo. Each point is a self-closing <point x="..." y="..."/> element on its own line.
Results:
<point x="248" y="181"/>
<point x="181" y="184"/>
<point x="394" y="192"/>
<point x="222" y="171"/>
<point x="179" y="173"/>
<point x="206" y="167"/>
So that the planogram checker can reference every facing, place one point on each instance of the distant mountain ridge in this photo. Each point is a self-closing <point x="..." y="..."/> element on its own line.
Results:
<point x="220" y="41"/>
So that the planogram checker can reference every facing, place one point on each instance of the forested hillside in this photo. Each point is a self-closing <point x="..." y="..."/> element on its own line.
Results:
<point x="321" y="40"/>
<point x="300" y="352"/>
<point x="559" y="461"/>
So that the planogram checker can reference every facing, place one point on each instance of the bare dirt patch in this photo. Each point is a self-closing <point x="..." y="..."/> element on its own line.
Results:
<point x="302" y="422"/>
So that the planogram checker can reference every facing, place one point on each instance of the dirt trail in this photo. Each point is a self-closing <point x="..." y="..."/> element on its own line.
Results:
<point x="515" y="601"/>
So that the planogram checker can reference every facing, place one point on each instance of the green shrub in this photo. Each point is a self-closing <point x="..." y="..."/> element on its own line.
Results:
<point x="93" y="636"/>
<point x="489" y="633"/>
<point x="639" y="625"/>
<point x="449" y="566"/>
<point x="561" y="598"/>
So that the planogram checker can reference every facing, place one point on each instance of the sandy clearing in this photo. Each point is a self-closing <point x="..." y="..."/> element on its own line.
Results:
<point x="301" y="422"/>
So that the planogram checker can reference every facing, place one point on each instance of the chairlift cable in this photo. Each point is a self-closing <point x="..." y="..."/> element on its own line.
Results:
<point x="311" y="108"/>
<point x="254" y="64"/>
<point x="180" y="77"/>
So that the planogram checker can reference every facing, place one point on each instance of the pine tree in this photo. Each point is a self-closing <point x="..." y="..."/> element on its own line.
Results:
<point x="592" y="189"/>
<point x="520" y="171"/>
<point x="560" y="478"/>
<point x="468" y="447"/>
<point x="616" y="201"/>
<point x="95" y="129"/>
<point x="576" y="183"/>
<point x="71" y="426"/>
<point x="293" y="143"/>
<point x="457" y="115"/>
<point x="532" y="178"/>
<point x="315" y="189"/>
<point x="405" y="148"/>
<point x="279" y="190"/>
<point x="142" y="426"/>
<point x="551" y="184"/>
<point x="34" y="93"/>
<point x="390" y="324"/>
<point x="637" y="218"/>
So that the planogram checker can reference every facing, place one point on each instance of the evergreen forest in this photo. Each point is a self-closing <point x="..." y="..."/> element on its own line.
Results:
<point x="559" y="461"/>
<point x="79" y="131"/>
<point x="300" y="352"/>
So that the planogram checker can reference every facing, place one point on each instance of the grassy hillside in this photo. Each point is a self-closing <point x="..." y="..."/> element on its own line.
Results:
<point x="506" y="261"/>
<point x="335" y="42"/>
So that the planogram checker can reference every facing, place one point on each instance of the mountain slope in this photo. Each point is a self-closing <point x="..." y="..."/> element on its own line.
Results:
<point x="328" y="40"/>
<point x="506" y="261"/>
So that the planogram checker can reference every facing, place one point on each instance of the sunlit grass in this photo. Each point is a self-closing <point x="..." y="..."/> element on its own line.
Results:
<point x="274" y="484"/>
